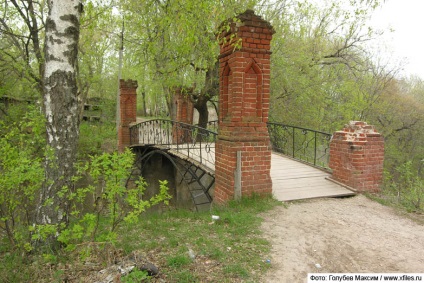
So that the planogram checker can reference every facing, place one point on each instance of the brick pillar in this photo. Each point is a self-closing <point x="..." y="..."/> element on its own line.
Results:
<point x="244" y="105"/>
<point x="183" y="107"/>
<point x="128" y="111"/>
<point x="183" y="111"/>
<point x="357" y="156"/>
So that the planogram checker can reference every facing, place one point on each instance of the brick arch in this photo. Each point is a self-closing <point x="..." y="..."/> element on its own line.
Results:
<point x="253" y="82"/>
<point x="226" y="80"/>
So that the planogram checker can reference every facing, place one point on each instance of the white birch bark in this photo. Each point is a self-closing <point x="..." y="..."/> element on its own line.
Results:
<point x="60" y="104"/>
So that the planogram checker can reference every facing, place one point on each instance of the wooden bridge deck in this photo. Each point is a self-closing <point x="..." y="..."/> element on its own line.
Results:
<point x="294" y="180"/>
<point x="291" y="179"/>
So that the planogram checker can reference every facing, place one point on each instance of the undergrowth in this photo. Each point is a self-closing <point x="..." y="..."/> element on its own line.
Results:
<point x="191" y="247"/>
<point x="404" y="189"/>
<point x="186" y="246"/>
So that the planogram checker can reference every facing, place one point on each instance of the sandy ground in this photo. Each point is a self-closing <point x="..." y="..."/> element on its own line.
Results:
<point x="341" y="236"/>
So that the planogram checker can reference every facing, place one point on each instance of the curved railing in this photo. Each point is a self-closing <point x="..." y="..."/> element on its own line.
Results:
<point x="211" y="125"/>
<point x="304" y="144"/>
<point x="188" y="140"/>
<point x="309" y="146"/>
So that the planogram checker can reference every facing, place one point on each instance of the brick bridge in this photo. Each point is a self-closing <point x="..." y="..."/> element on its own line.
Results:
<point x="242" y="154"/>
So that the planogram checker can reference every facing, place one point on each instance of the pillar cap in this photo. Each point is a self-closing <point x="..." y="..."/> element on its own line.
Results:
<point x="246" y="19"/>
<point x="356" y="131"/>
<point x="249" y="18"/>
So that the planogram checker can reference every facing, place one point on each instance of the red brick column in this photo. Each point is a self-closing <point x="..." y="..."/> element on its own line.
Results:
<point x="183" y="109"/>
<point x="128" y="111"/>
<point x="357" y="156"/>
<point x="244" y="106"/>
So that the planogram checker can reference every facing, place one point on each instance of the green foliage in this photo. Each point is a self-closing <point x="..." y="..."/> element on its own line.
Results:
<point x="21" y="60"/>
<point x="98" y="63"/>
<point x="399" y="116"/>
<point x="233" y="245"/>
<point x="42" y="232"/>
<point x="96" y="138"/>
<point x="322" y="77"/>
<point x="135" y="276"/>
<point x="407" y="187"/>
<point x="114" y="201"/>
<point x="21" y="167"/>
<point x="173" y="43"/>
<point x="14" y="268"/>
<point x="21" y="148"/>
<point x="321" y="74"/>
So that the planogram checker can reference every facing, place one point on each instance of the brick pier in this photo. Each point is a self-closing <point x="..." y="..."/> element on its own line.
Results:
<point x="244" y="105"/>
<point x="357" y="156"/>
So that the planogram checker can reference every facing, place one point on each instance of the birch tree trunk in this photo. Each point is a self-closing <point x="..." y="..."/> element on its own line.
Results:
<point x="60" y="105"/>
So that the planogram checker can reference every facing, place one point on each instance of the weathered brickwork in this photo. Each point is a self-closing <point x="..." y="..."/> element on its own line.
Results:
<point x="244" y="107"/>
<point x="128" y="111"/>
<point x="357" y="156"/>
<point x="183" y="111"/>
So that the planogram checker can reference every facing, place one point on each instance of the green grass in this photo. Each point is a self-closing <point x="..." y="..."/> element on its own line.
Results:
<point x="13" y="268"/>
<point x="389" y="200"/>
<point x="236" y="270"/>
<point x="178" y="261"/>
<point x="231" y="249"/>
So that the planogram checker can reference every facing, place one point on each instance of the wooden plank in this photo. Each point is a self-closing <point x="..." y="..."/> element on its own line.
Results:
<point x="293" y="180"/>
<point x="297" y="176"/>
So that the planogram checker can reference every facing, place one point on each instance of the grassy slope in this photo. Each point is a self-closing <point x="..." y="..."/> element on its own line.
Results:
<point x="231" y="249"/>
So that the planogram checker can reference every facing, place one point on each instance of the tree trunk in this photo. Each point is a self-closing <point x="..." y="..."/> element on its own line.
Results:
<point x="60" y="106"/>
<point x="210" y="90"/>
<point x="143" y="94"/>
<point x="201" y="106"/>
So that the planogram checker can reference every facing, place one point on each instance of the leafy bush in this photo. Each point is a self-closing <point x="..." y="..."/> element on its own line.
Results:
<point x="135" y="276"/>
<point x="21" y="174"/>
<point x="95" y="138"/>
<point x="22" y="151"/>
<point x="114" y="201"/>
<point x="407" y="187"/>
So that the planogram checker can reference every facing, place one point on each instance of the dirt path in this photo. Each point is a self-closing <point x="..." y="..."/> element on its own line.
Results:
<point x="341" y="235"/>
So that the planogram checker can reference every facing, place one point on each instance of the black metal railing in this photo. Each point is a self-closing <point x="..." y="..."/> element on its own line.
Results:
<point x="211" y="125"/>
<point x="307" y="145"/>
<point x="310" y="146"/>
<point x="191" y="141"/>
